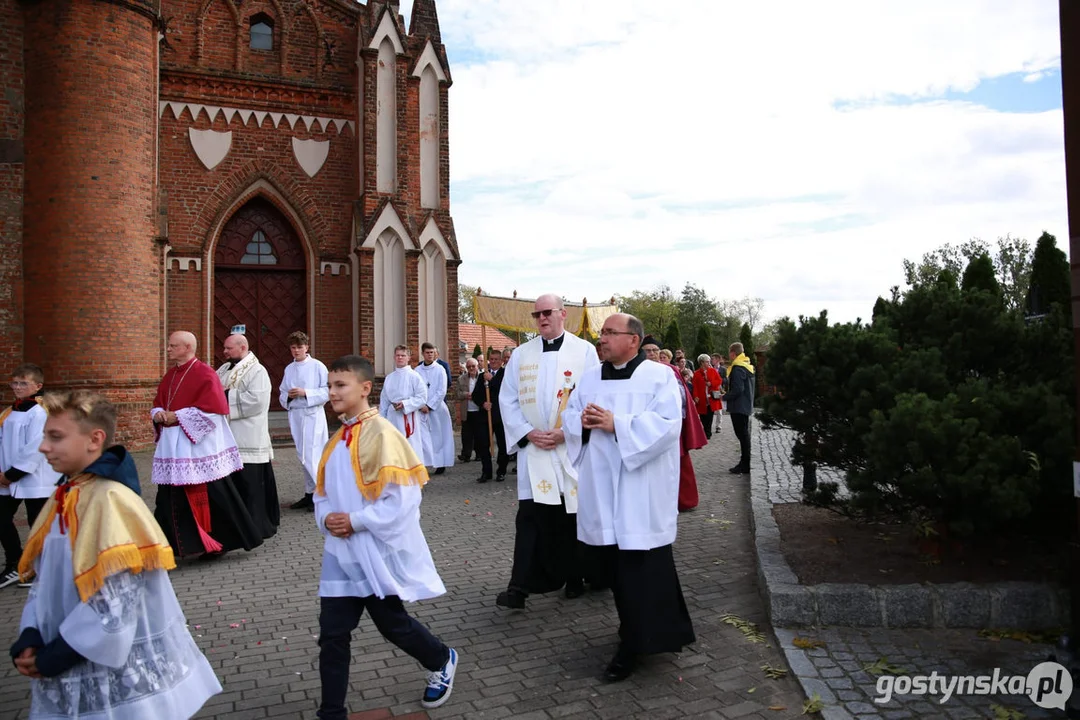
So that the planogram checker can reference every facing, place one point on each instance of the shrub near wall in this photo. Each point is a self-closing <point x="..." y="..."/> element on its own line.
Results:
<point x="948" y="408"/>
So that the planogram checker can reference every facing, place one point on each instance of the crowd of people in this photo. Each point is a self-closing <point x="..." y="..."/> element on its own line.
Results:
<point x="599" y="435"/>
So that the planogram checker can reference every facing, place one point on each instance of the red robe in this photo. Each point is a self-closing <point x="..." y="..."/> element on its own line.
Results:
<point x="194" y="385"/>
<point x="692" y="437"/>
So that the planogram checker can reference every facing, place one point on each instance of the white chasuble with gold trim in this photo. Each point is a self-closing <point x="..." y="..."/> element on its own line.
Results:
<point x="537" y="387"/>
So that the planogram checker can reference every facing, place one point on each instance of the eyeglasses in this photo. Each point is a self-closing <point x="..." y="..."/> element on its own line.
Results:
<point x="19" y="384"/>
<point x="608" y="333"/>
<point x="546" y="313"/>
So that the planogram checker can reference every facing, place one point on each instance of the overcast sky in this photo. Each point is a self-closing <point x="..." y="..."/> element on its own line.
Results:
<point x="794" y="151"/>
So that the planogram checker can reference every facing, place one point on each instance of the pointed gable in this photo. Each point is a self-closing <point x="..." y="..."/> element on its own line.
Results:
<point x="424" y="21"/>
<point x="430" y="58"/>
<point x="387" y="28"/>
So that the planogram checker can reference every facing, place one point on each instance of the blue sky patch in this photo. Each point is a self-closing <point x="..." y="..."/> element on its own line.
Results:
<point x="1005" y="93"/>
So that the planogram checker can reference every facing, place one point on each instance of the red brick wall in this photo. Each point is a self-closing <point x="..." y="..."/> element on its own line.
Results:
<point x="91" y="264"/>
<point x="200" y="200"/>
<point x="11" y="184"/>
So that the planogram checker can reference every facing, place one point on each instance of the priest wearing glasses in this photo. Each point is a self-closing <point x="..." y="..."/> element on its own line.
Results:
<point x="538" y="382"/>
<point x="622" y="430"/>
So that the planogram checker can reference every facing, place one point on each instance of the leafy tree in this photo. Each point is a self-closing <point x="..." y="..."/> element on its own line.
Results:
<point x="696" y="309"/>
<point x="747" y="340"/>
<point x="703" y="345"/>
<point x="655" y="308"/>
<point x="477" y="352"/>
<point x="1011" y="260"/>
<point x="672" y="338"/>
<point x="766" y="336"/>
<point x="466" y="293"/>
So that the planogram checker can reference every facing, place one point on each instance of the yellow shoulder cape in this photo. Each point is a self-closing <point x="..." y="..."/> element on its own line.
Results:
<point x="380" y="455"/>
<point x="110" y="528"/>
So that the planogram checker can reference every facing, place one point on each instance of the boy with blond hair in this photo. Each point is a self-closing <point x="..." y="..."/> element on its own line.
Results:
<point x="102" y="634"/>
<point x="25" y="477"/>
<point x="367" y="504"/>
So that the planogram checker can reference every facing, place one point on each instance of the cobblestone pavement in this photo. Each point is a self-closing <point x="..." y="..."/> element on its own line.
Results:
<point x="541" y="663"/>
<point x="845" y="669"/>
<point x="785" y="480"/>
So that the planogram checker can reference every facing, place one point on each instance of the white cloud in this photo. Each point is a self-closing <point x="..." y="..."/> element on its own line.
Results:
<point x="607" y="146"/>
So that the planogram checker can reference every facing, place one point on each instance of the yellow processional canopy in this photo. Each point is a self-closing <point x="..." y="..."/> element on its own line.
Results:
<point x="515" y="314"/>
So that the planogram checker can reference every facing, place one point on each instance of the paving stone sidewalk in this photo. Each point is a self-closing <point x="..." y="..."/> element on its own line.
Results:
<point x="541" y="663"/>
<point x="846" y="669"/>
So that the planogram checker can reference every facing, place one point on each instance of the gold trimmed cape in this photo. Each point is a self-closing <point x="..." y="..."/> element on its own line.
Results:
<point x="110" y="529"/>
<point x="380" y="455"/>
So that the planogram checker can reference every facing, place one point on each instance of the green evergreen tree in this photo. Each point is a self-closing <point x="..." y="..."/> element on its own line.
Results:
<point x="979" y="275"/>
<point x="704" y="343"/>
<point x="747" y="340"/>
<point x="1050" y="282"/>
<point x="477" y="352"/>
<point x="672" y="338"/>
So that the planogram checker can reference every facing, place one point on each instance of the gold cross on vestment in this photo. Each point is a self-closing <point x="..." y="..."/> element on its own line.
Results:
<point x="545" y="486"/>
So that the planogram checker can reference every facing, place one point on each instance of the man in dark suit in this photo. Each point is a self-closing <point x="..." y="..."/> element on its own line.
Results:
<point x="493" y="381"/>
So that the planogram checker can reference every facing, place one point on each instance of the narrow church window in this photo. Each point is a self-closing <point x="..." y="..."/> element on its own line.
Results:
<point x="258" y="251"/>
<point x="262" y="32"/>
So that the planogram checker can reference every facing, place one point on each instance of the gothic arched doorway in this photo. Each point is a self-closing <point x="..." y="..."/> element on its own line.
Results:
<point x="259" y="282"/>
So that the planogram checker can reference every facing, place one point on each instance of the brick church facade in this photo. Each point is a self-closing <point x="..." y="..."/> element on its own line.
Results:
<point x="200" y="164"/>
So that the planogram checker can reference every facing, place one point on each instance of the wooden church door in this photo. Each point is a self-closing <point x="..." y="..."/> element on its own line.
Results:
<point x="259" y="282"/>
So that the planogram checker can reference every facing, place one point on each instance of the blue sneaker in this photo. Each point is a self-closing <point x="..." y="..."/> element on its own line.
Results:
<point x="440" y="683"/>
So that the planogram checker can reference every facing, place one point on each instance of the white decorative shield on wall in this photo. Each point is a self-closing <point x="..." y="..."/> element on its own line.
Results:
<point x="311" y="154"/>
<point x="210" y="146"/>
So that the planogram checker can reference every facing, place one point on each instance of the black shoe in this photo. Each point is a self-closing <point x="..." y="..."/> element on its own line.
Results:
<point x="574" y="590"/>
<point x="500" y="477"/>
<point x="303" y="503"/>
<point x="513" y="599"/>
<point x="463" y="459"/>
<point x="620" y="667"/>
<point x="739" y="470"/>
<point x="439" y="471"/>
<point x="483" y="478"/>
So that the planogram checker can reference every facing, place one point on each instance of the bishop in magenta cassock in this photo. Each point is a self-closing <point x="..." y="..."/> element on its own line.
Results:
<point x="197" y="505"/>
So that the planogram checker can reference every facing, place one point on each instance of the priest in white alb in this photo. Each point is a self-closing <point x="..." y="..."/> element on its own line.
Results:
<point x="248" y="391"/>
<point x="538" y="382"/>
<point x="403" y="393"/>
<point x="622" y="429"/>
<point x="197" y="504"/>
<point x="438" y="435"/>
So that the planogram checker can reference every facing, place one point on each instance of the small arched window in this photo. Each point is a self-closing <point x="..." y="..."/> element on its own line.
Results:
<point x="262" y="32"/>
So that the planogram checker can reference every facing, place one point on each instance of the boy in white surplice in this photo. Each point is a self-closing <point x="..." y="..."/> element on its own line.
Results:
<point x="367" y="504"/>
<point x="102" y="636"/>
<point x="303" y="394"/>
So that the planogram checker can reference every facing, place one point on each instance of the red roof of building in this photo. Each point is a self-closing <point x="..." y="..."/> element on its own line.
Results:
<point x="469" y="335"/>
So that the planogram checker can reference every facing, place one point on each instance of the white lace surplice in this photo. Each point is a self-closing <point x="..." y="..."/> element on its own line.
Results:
<point x="141" y="661"/>
<point x="199" y="450"/>
<point x="389" y="557"/>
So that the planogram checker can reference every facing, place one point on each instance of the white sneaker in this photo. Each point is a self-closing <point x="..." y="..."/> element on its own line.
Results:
<point x="440" y="683"/>
<point x="10" y="577"/>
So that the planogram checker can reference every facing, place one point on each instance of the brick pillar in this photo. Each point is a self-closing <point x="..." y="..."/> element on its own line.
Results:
<point x="91" y="264"/>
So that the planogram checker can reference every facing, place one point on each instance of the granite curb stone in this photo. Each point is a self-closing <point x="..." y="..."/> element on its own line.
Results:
<point x="1018" y="605"/>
